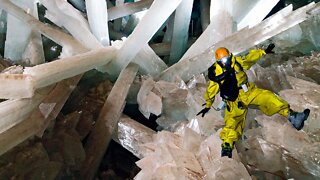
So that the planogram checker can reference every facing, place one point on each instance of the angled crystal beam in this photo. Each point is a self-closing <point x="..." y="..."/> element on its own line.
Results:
<point x="69" y="44"/>
<point x="144" y="31"/>
<point x="39" y="119"/>
<point x="180" y="31"/>
<point x="241" y="41"/>
<point x="97" y="16"/>
<point x="107" y="121"/>
<point x="21" y="42"/>
<point x="132" y="135"/>
<point x="219" y="28"/>
<point x="63" y="14"/>
<point x="257" y="13"/>
<point x="55" y="71"/>
<point x="205" y="13"/>
<point x="128" y="9"/>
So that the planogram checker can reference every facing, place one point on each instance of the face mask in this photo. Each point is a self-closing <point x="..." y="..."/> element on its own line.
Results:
<point x="225" y="62"/>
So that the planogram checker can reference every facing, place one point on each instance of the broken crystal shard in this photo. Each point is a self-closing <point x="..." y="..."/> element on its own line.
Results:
<point x="180" y="30"/>
<point x="97" y="16"/>
<point x="148" y="26"/>
<point x="132" y="135"/>
<point x="148" y="101"/>
<point x="46" y="108"/>
<point x="239" y="42"/>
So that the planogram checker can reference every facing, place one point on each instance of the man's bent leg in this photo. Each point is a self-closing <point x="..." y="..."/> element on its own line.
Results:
<point x="232" y="131"/>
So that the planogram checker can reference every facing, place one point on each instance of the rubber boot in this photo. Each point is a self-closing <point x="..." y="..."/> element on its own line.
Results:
<point x="226" y="150"/>
<point x="297" y="118"/>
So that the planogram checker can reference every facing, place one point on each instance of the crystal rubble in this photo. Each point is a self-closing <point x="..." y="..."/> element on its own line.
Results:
<point x="97" y="17"/>
<point x="21" y="40"/>
<point x="128" y="9"/>
<point x="304" y="95"/>
<point x="180" y="32"/>
<point x="271" y="78"/>
<point x="277" y="147"/>
<point x="64" y="15"/>
<point x="133" y="135"/>
<point x="106" y="123"/>
<point x="148" y="101"/>
<point x="188" y="155"/>
<point x="255" y="15"/>
<point x="241" y="40"/>
<point x="148" y="26"/>
<point x="69" y="44"/>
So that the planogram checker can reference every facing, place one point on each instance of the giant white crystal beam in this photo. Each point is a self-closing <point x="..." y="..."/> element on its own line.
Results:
<point x="55" y="71"/>
<point x="205" y="13"/>
<point x="144" y="31"/>
<point x="128" y="8"/>
<point x="257" y="13"/>
<point x="69" y="44"/>
<point x="16" y="86"/>
<point x="40" y="117"/>
<point x="219" y="28"/>
<point x="97" y="16"/>
<point x="241" y="41"/>
<point x="63" y="14"/>
<point x="106" y="123"/>
<point x="180" y="31"/>
<point x="132" y="135"/>
<point x="20" y="38"/>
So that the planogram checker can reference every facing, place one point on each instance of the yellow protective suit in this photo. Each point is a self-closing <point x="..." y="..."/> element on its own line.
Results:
<point x="268" y="102"/>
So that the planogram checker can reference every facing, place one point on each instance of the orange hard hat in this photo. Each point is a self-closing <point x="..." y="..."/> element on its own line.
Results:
<point x="221" y="52"/>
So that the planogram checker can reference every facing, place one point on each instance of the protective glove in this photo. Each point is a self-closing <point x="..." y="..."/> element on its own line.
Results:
<point x="203" y="111"/>
<point x="269" y="49"/>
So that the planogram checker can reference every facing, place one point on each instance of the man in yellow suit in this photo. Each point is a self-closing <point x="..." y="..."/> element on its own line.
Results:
<point x="227" y="76"/>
